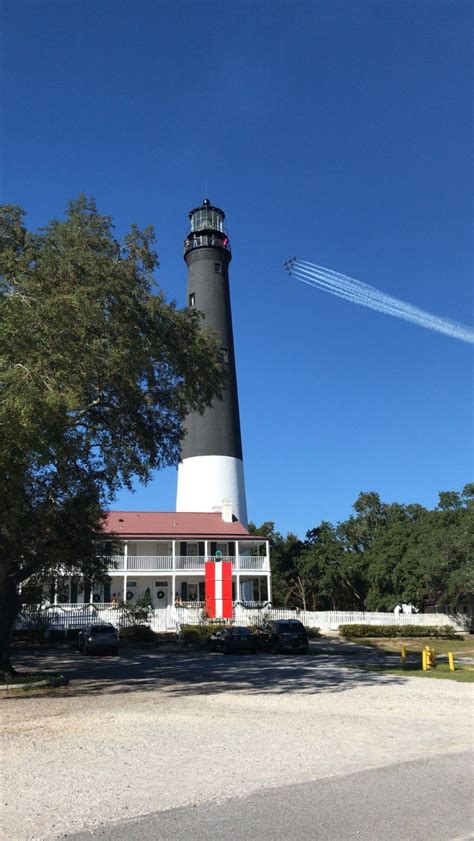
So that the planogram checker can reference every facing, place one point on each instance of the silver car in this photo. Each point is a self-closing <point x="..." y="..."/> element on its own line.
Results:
<point x="98" y="637"/>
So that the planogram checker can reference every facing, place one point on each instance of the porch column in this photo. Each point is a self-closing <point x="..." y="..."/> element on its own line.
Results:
<point x="125" y="555"/>
<point x="173" y="552"/>
<point x="237" y="554"/>
<point x="125" y="588"/>
<point x="206" y="550"/>
<point x="173" y="588"/>
<point x="269" y="587"/>
<point x="237" y="588"/>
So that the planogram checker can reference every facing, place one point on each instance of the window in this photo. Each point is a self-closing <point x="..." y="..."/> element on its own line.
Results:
<point x="222" y="547"/>
<point x="192" y="591"/>
<point x="192" y="299"/>
<point x="192" y="549"/>
<point x="225" y="355"/>
<point x="218" y="268"/>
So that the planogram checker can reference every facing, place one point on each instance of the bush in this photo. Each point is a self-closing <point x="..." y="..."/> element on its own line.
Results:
<point x="197" y="635"/>
<point x="56" y="634"/>
<point x="360" y="631"/>
<point x="313" y="633"/>
<point x="137" y="633"/>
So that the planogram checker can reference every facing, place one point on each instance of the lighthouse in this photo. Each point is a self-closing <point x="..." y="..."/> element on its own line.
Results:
<point x="211" y="473"/>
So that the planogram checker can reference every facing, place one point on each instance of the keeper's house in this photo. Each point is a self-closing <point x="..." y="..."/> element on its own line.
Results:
<point x="163" y="556"/>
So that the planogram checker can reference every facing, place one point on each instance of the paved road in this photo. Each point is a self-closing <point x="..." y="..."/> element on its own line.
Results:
<point x="428" y="799"/>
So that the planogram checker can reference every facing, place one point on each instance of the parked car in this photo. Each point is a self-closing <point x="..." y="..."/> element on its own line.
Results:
<point x="283" y="635"/>
<point x="95" y="638"/>
<point x="233" y="641"/>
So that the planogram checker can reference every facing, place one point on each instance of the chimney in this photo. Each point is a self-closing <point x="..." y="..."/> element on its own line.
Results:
<point x="227" y="511"/>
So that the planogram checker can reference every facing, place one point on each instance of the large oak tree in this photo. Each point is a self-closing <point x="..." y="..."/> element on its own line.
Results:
<point x="97" y="373"/>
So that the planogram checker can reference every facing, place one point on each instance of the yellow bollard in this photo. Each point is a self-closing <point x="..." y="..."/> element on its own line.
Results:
<point x="423" y="660"/>
<point x="426" y="659"/>
<point x="403" y="656"/>
<point x="451" y="661"/>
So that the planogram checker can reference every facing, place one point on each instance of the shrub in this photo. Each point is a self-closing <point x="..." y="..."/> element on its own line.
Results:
<point x="313" y="633"/>
<point x="360" y="631"/>
<point x="197" y="634"/>
<point x="56" y="634"/>
<point x="137" y="633"/>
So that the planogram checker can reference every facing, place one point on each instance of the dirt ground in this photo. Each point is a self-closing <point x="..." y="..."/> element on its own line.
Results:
<point x="152" y="730"/>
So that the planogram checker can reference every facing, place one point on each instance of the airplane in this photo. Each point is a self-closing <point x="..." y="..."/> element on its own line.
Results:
<point x="288" y="264"/>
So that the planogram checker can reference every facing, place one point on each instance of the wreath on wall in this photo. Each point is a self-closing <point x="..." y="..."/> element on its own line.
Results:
<point x="160" y="594"/>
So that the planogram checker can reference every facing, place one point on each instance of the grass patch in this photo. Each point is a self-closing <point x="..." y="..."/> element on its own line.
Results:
<point x="461" y="647"/>
<point x="465" y="674"/>
<point x="25" y="678"/>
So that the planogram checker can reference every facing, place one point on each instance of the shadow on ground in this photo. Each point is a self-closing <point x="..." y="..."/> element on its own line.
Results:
<point x="181" y="673"/>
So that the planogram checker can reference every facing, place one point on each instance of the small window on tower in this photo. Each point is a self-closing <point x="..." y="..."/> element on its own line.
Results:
<point x="218" y="268"/>
<point x="192" y="300"/>
<point x="225" y="355"/>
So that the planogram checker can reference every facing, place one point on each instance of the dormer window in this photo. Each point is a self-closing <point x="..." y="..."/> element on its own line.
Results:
<point x="192" y="300"/>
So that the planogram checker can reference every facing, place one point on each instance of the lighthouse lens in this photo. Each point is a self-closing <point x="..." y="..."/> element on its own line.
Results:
<point x="206" y="219"/>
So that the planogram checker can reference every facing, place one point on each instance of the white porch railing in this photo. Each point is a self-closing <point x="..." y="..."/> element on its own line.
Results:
<point x="141" y="562"/>
<point x="247" y="562"/>
<point x="189" y="563"/>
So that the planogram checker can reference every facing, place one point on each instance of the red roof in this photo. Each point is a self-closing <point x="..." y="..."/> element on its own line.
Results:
<point x="169" y="524"/>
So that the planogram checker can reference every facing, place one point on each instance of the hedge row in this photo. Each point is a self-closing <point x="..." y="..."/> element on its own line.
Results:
<point x="359" y="631"/>
<point x="197" y="634"/>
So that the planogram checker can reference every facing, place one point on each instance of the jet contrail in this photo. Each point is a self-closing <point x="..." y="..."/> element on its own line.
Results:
<point x="368" y="296"/>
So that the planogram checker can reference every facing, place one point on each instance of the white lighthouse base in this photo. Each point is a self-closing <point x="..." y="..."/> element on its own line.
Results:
<point x="204" y="482"/>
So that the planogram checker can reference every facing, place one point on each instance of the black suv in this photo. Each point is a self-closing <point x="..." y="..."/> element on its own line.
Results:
<point x="283" y="635"/>
<point x="98" y="637"/>
<point x="233" y="640"/>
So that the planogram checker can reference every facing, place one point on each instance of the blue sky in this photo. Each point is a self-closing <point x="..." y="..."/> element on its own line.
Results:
<point x="337" y="131"/>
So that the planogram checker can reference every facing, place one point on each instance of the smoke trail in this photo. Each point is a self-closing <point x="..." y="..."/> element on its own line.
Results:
<point x="365" y="295"/>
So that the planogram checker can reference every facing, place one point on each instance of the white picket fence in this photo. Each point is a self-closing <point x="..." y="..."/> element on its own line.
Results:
<point x="170" y="619"/>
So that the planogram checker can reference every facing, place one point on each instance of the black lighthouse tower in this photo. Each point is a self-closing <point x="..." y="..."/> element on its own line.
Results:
<point x="211" y="474"/>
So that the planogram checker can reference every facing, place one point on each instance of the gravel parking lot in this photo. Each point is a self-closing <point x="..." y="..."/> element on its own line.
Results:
<point x="150" y="731"/>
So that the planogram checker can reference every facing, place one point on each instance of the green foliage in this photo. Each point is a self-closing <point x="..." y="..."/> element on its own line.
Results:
<point x="137" y="633"/>
<point x="313" y="633"/>
<point x="368" y="631"/>
<point x="381" y="555"/>
<point x="56" y="634"/>
<point x="197" y="635"/>
<point x="98" y="372"/>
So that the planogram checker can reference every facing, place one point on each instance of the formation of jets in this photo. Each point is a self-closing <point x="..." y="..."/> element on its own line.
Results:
<point x="288" y="264"/>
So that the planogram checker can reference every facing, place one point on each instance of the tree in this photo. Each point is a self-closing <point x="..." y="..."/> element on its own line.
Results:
<point x="284" y="552"/>
<point x="98" y="372"/>
<point x="327" y="562"/>
<point x="383" y="554"/>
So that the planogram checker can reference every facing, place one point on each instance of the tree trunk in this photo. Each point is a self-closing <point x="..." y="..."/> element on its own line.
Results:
<point x="10" y="606"/>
